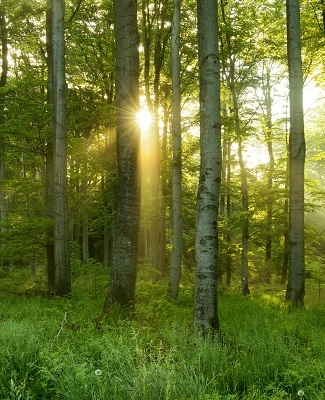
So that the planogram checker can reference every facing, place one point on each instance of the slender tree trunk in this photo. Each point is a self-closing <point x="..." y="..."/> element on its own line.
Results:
<point x="61" y="251"/>
<point x="122" y="283"/>
<point x="225" y="204"/>
<point x="153" y="37"/>
<point x="269" y="212"/>
<point x="164" y="186"/>
<point x="297" y="150"/>
<point x="228" y="207"/>
<point x="85" y="223"/>
<point x="285" y="262"/>
<point x="49" y="171"/>
<point x="245" y="221"/>
<point x="3" y="83"/>
<point x="155" y="195"/>
<point x="177" y="232"/>
<point x="243" y="173"/>
<point x="206" y="241"/>
<point x="243" y="186"/>
<point x="154" y="151"/>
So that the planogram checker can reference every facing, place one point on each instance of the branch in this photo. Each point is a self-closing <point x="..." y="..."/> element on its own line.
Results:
<point x="63" y="324"/>
<point x="75" y="11"/>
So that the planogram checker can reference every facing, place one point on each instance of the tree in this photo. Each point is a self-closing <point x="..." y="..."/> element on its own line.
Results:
<point x="206" y="242"/>
<point x="61" y="251"/>
<point x="121" y="289"/>
<point x="155" y="37"/>
<point x="177" y="232"/>
<point x="297" y="149"/>
<point x="234" y="93"/>
<point x="49" y="156"/>
<point x="3" y="83"/>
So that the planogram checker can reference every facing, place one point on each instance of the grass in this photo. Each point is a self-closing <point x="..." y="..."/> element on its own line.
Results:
<point x="265" y="350"/>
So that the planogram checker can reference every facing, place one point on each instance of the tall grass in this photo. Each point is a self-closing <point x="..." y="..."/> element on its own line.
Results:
<point x="264" y="351"/>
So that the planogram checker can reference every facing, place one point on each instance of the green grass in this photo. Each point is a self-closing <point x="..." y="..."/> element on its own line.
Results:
<point x="265" y="350"/>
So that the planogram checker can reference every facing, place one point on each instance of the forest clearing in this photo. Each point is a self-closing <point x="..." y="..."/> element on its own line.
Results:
<point x="264" y="349"/>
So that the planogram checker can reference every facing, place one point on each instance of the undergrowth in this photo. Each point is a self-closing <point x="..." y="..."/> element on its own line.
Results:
<point x="264" y="350"/>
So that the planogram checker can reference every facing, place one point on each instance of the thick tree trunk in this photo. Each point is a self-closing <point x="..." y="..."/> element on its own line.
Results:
<point x="122" y="283"/>
<point x="206" y="241"/>
<point x="297" y="151"/>
<point x="49" y="161"/>
<point x="61" y="251"/>
<point x="177" y="232"/>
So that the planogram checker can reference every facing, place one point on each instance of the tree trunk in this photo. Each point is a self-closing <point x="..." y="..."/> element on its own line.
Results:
<point x="228" y="207"/>
<point x="153" y="36"/>
<point x="206" y="241"/>
<point x="49" y="178"/>
<point x="245" y="220"/>
<point x="269" y="212"/>
<point x="122" y="283"/>
<point x="243" y="173"/>
<point x="85" y="222"/>
<point x="3" y="83"/>
<point x="177" y="232"/>
<point x="164" y="184"/>
<point x="297" y="150"/>
<point x="61" y="252"/>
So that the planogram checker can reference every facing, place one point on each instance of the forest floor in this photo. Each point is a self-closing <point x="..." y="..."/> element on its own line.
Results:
<point x="54" y="348"/>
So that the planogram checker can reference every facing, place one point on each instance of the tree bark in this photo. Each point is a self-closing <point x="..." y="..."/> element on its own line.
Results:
<point x="269" y="140"/>
<point x="243" y="173"/>
<point x="85" y="220"/>
<point x="3" y="83"/>
<point x="122" y="283"/>
<point x="177" y="232"/>
<point x="61" y="250"/>
<point x="206" y="241"/>
<point x="245" y="219"/>
<point x="297" y="151"/>
<point x="49" y="161"/>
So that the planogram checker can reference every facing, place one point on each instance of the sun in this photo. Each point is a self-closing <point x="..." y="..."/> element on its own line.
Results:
<point x="144" y="119"/>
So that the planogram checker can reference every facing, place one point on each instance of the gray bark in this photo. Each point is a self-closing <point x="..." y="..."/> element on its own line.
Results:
<point x="206" y="241"/>
<point x="3" y="83"/>
<point x="122" y="283"/>
<point x="269" y="139"/>
<point x="243" y="173"/>
<point x="61" y="252"/>
<point x="297" y="151"/>
<point x="49" y="196"/>
<point x="177" y="233"/>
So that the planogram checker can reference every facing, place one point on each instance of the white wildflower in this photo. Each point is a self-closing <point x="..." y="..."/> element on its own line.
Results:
<point x="98" y="372"/>
<point x="300" y="393"/>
